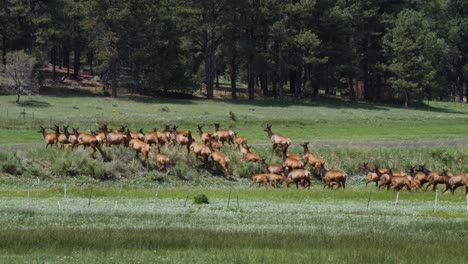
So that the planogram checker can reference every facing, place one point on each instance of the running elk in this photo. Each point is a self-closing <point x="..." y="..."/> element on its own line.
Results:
<point x="224" y="135"/>
<point x="332" y="177"/>
<point x="221" y="159"/>
<point x="456" y="181"/>
<point x="398" y="182"/>
<point x="50" y="138"/>
<point x="277" y="139"/>
<point x="205" y="137"/>
<point x="89" y="140"/>
<point x="199" y="149"/>
<point x="310" y="158"/>
<point x="298" y="176"/>
<point x="138" y="146"/>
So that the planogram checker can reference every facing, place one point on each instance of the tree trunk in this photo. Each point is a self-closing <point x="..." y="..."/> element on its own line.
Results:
<point x="292" y="83"/>
<point x="18" y="97"/>
<point x="53" y="59"/>
<point x="251" y="80"/>
<point x="66" y="59"/>
<point x="114" y="74"/>
<point x="60" y="56"/>
<point x="352" y="94"/>
<point x="234" y="77"/>
<point x="217" y="79"/>
<point x="315" y="86"/>
<point x="406" y="98"/>
<point x="298" y="81"/>
<point x="264" y="82"/>
<point x="76" y="60"/>
<point x="90" y="57"/>
<point x="4" y="49"/>
<point x="460" y="85"/>
<point x="136" y="77"/>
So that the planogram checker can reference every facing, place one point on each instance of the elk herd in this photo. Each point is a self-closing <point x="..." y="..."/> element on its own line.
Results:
<point x="294" y="169"/>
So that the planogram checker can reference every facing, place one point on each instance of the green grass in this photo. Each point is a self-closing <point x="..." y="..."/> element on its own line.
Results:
<point x="273" y="226"/>
<point x="321" y="121"/>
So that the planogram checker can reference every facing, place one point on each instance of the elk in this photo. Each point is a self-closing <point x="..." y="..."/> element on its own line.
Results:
<point x="433" y="177"/>
<point x="205" y="137"/>
<point x="138" y="146"/>
<point x="250" y="156"/>
<point x="162" y="160"/>
<point x="164" y="137"/>
<point x="272" y="168"/>
<point x="181" y="137"/>
<point x="88" y="140"/>
<point x="151" y="137"/>
<point x="215" y="143"/>
<point x="372" y="176"/>
<point x="275" y="179"/>
<point x="291" y="162"/>
<point x="223" y="135"/>
<point x="220" y="159"/>
<point x="138" y="135"/>
<point x="199" y="149"/>
<point x="398" y="182"/>
<point x="419" y="178"/>
<point x="332" y="177"/>
<point x="298" y="175"/>
<point x="240" y="140"/>
<point x="114" y="138"/>
<point x="456" y="181"/>
<point x="62" y="138"/>
<point x="50" y="139"/>
<point x="310" y="158"/>
<point x="277" y="139"/>
<point x="384" y="178"/>
<point x="261" y="179"/>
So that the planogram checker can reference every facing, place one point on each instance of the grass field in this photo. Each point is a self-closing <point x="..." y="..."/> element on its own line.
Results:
<point x="274" y="226"/>
<point x="146" y="216"/>
<point x="324" y="121"/>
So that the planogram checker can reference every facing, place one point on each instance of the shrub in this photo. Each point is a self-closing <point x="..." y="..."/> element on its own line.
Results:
<point x="201" y="199"/>
<point x="248" y="169"/>
<point x="11" y="163"/>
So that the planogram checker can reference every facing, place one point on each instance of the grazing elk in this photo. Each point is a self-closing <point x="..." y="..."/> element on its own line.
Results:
<point x="138" y="146"/>
<point x="224" y="135"/>
<point x="332" y="177"/>
<point x="298" y="176"/>
<point x="277" y="139"/>
<point x="205" y="137"/>
<point x="49" y="138"/>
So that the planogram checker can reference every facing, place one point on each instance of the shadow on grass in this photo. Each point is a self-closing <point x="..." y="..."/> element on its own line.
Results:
<point x="425" y="107"/>
<point x="33" y="103"/>
<point x="67" y="92"/>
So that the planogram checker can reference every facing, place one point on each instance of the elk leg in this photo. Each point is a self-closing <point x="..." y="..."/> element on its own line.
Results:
<point x="367" y="183"/>
<point x="273" y="149"/>
<point x="428" y="186"/>
<point x="344" y="185"/>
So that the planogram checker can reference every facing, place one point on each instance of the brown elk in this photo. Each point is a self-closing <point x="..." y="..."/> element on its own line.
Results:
<point x="199" y="149"/>
<point x="298" y="176"/>
<point x="62" y="138"/>
<point x="261" y="179"/>
<point x="291" y="162"/>
<point x="239" y="140"/>
<point x="138" y="146"/>
<point x="276" y="179"/>
<point x="162" y="160"/>
<point x="205" y="137"/>
<point x="215" y="143"/>
<point x="181" y="137"/>
<point x="151" y="137"/>
<point x="372" y="176"/>
<point x="332" y="177"/>
<point x="310" y="158"/>
<point x="433" y="177"/>
<point x="272" y="168"/>
<point x="164" y="137"/>
<point x="250" y="156"/>
<point x="88" y="140"/>
<point x="113" y="137"/>
<point x="419" y="178"/>
<point x="456" y="181"/>
<point x="49" y="138"/>
<point x="224" y="135"/>
<point x="221" y="159"/>
<point x="277" y="139"/>
<point x="398" y="182"/>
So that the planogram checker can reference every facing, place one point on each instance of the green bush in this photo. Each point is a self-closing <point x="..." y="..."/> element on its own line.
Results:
<point x="11" y="163"/>
<point x="248" y="169"/>
<point x="201" y="199"/>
